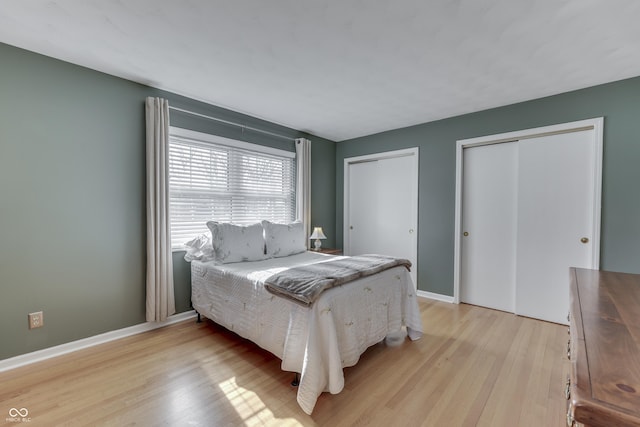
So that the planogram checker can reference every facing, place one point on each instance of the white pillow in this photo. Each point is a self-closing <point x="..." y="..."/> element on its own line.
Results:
<point x="236" y="243"/>
<point x="284" y="239"/>
<point x="199" y="248"/>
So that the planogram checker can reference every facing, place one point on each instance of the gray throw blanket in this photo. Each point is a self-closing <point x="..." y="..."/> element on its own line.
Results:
<point x="305" y="283"/>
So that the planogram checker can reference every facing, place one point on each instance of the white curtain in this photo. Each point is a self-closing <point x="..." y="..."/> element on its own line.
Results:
<point x="160" y="297"/>
<point x="303" y="184"/>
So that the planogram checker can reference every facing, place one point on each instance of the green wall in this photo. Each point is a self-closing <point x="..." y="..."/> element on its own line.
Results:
<point x="72" y="197"/>
<point x="618" y="103"/>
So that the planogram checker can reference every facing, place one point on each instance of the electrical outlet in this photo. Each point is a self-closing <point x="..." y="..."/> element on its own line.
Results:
<point x="36" y="320"/>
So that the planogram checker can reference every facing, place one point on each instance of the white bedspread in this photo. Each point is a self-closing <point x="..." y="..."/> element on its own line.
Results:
<point x="317" y="341"/>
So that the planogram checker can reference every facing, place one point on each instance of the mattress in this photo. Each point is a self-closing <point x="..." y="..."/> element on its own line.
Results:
<point x="317" y="341"/>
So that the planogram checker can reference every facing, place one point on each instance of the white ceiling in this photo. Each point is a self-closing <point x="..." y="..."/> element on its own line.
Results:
<point x="340" y="68"/>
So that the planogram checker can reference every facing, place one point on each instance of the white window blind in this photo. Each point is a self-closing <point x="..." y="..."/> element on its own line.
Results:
<point x="218" y="179"/>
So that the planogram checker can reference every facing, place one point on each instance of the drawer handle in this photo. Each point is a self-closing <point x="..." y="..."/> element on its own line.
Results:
<point x="567" y="390"/>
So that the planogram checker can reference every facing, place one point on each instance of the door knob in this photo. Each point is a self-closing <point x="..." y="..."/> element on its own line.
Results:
<point x="465" y="234"/>
<point x="585" y="240"/>
<point x="351" y="227"/>
<point x="411" y="231"/>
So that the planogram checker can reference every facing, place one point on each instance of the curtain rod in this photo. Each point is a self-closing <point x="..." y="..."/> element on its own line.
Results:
<point x="232" y="123"/>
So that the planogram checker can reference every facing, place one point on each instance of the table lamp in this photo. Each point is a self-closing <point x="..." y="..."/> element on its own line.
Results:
<point x="317" y="235"/>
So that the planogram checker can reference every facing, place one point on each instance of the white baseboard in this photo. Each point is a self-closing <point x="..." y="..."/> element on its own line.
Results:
<point x="437" y="297"/>
<point x="47" y="353"/>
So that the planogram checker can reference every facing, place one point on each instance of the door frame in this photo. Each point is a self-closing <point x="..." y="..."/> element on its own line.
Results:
<point x="408" y="152"/>
<point x="596" y="124"/>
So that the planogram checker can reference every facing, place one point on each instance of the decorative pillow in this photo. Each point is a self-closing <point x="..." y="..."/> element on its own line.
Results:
<point x="235" y="243"/>
<point x="199" y="248"/>
<point x="284" y="239"/>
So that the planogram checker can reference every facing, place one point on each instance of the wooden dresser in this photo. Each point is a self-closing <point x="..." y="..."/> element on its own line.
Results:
<point x="604" y="349"/>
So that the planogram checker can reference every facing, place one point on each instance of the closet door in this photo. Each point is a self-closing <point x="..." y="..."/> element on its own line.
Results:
<point x="364" y="200"/>
<point x="397" y="208"/>
<point x="555" y="220"/>
<point x="381" y="206"/>
<point x="554" y="172"/>
<point x="489" y="222"/>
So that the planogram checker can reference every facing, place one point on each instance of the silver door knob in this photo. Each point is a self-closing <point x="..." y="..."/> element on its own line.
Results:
<point x="465" y="234"/>
<point x="585" y="240"/>
<point x="411" y="231"/>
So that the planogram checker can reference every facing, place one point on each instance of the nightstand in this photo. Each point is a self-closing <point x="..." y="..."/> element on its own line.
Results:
<point x="329" y="251"/>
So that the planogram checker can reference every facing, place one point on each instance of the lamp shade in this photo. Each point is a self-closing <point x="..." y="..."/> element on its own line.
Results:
<point x="317" y="233"/>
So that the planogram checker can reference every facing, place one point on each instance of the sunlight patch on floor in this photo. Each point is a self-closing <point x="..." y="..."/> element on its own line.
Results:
<point x="249" y="406"/>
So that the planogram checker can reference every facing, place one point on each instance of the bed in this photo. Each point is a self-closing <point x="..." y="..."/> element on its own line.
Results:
<point x="317" y="340"/>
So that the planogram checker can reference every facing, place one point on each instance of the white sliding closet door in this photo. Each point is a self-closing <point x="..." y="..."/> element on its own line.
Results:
<point x="397" y="207"/>
<point x="528" y="206"/>
<point x="555" y="217"/>
<point x="363" y="200"/>
<point x="489" y="226"/>
<point x="381" y="203"/>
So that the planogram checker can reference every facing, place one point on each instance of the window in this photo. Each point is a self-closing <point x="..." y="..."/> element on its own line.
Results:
<point x="219" y="179"/>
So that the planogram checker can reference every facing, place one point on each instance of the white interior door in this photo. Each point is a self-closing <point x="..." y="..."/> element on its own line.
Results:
<point x="381" y="206"/>
<point x="555" y="220"/>
<point x="489" y="225"/>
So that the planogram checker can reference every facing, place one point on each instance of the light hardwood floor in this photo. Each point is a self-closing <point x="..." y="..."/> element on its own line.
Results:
<point x="474" y="366"/>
